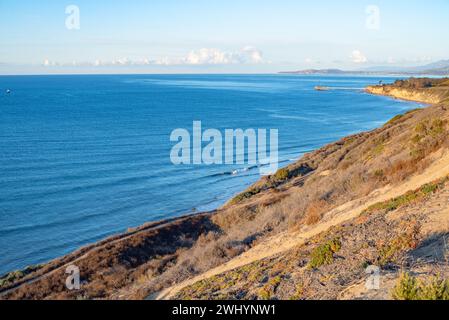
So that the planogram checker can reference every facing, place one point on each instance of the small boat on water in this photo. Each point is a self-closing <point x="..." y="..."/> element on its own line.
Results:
<point x="8" y="91"/>
<point x="321" y="88"/>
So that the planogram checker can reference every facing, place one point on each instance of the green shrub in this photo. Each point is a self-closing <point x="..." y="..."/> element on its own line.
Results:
<point x="429" y="188"/>
<point x="395" y="119"/>
<point x="394" y="203"/>
<point x="407" y="288"/>
<point x="324" y="254"/>
<point x="245" y="195"/>
<point x="265" y="294"/>
<point x="429" y="128"/>
<point x="430" y="135"/>
<point x="409" y="197"/>
<point x="419" y="83"/>
<point x="438" y="127"/>
<point x="436" y="289"/>
<point x="11" y="277"/>
<point x="410" y="288"/>
<point x="281" y="175"/>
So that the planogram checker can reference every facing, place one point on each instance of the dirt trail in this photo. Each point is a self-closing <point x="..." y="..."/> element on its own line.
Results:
<point x="286" y="241"/>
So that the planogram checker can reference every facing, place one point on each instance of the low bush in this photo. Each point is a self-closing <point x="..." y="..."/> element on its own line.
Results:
<point x="407" y="288"/>
<point x="14" y="276"/>
<point x="245" y="195"/>
<point x="419" y="83"/>
<point x="430" y="135"/>
<point x="409" y="197"/>
<point x="281" y="175"/>
<point x="324" y="254"/>
<point x="411" y="288"/>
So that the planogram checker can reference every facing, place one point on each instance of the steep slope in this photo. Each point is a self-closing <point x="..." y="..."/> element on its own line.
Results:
<point x="323" y="190"/>
<point x="280" y="243"/>
<point x="335" y="218"/>
<point x="332" y="265"/>
<point x="425" y="90"/>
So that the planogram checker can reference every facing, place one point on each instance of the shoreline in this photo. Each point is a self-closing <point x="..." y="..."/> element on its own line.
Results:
<point x="198" y="207"/>
<point x="278" y="247"/>
<point x="154" y="224"/>
<point x="403" y="95"/>
<point x="150" y="229"/>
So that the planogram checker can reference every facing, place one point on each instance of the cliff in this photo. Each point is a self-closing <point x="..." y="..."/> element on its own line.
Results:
<point x="432" y="91"/>
<point x="376" y="199"/>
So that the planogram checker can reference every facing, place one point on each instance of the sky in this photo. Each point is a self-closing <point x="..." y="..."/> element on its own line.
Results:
<point x="218" y="36"/>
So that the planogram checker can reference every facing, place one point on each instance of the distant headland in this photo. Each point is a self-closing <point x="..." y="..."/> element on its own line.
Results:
<point x="440" y="68"/>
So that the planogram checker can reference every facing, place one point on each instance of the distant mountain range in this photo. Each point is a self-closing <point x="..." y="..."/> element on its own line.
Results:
<point x="439" y="68"/>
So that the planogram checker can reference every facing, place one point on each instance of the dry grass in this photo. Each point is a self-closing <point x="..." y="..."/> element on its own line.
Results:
<point x="315" y="211"/>
<point x="295" y="197"/>
<point x="407" y="240"/>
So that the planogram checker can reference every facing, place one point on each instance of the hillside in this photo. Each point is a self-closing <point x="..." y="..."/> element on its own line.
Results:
<point x="307" y="232"/>
<point x="439" y="68"/>
<point x="426" y="90"/>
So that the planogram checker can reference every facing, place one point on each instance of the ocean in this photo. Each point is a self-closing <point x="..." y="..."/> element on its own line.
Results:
<point x="87" y="156"/>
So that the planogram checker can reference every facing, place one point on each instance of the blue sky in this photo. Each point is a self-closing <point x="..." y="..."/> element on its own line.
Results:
<point x="219" y="36"/>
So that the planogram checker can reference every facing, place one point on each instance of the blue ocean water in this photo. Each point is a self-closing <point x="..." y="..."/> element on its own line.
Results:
<point x="84" y="157"/>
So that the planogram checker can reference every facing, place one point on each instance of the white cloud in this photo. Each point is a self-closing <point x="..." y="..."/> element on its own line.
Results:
<point x="122" y="62"/>
<point x="166" y="61"/>
<point x="214" y="56"/>
<point x="204" y="56"/>
<point x="358" y="57"/>
<point x="211" y="56"/>
<point x="253" y="54"/>
<point x="48" y="63"/>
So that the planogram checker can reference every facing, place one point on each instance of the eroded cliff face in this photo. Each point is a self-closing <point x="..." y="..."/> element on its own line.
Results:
<point x="427" y="96"/>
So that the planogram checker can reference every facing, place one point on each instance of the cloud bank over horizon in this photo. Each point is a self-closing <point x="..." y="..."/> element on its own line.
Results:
<point x="203" y="56"/>
<point x="211" y="36"/>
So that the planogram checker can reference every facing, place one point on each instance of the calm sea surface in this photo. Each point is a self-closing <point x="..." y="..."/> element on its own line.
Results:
<point x="84" y="157"/>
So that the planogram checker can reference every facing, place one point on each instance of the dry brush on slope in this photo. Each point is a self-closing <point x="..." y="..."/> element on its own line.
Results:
<point x="298" y="196"/>
<point x="394" y="236"/>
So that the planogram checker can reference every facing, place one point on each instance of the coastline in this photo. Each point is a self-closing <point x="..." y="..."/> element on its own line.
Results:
<point x="277" y="245"/>
<point x="191" y="226"/>
<point x="404" y="94"/>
